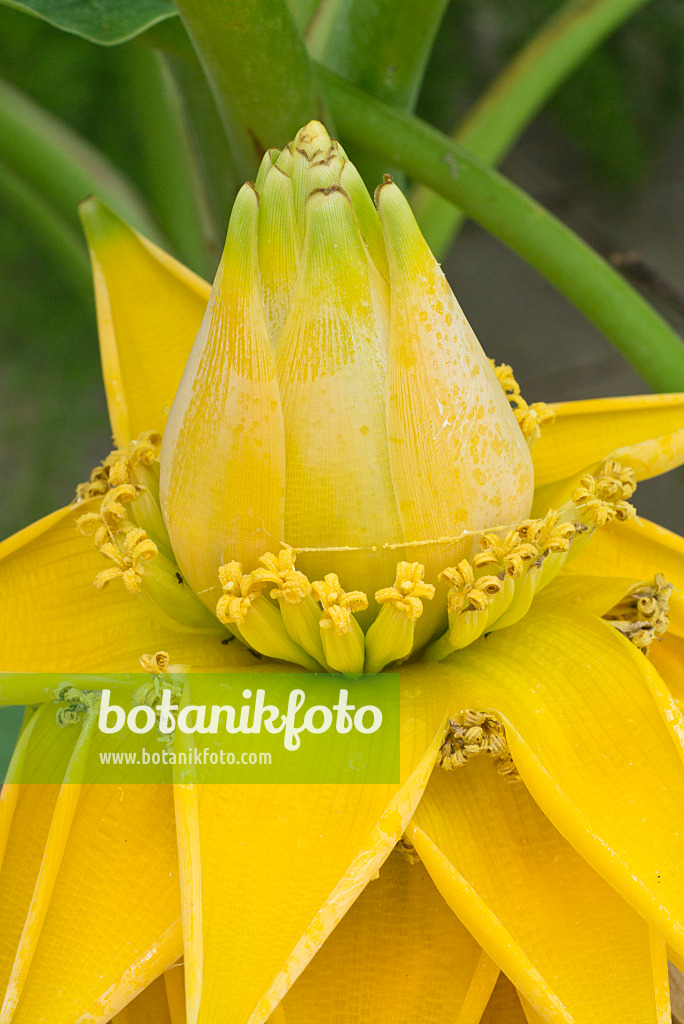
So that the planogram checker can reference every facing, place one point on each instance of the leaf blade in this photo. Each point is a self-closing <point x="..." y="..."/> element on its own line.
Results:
<point x="108" y="22"/>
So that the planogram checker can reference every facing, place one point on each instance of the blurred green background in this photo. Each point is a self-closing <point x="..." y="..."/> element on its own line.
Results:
<point x="606" y="155"/>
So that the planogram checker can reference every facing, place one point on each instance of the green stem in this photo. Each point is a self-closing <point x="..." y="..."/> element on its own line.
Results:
<point x="517" y="94"/>
<point x="382" y="46"/>
<point x="60" y="166"/>
<point x="214" y="159"/>
<point x="176" y="187"/>
<point x="302" y="12"/>
<point x="51" y="232"/>
<point x="212" y="155"/>
<point x="259" y="71"/>
<point x="579" y="273"/>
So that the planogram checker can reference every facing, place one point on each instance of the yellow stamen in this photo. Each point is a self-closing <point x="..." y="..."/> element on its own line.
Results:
<point x="112" y="517"/>
<point x="408" y="590"/>
<point x="155" y="663"/>
<point x="132" y="550"/>
<point x="642" y="615"/>
<point x="473" y="733"/>
<point x="531" y="418"/>
<point x="343" y="639"/>
<point x="291" y="585"/>
<point x="254" y="618"/>
<point x="158" y="668"/>
<point x="121" y="467"/>
<point x="467" y="591"/>
<point x="126" y="467"/>
<point x="129" y="560"/>
<point x="127" y="478"/>
<point x="112" y="509"/>
<point x="292" y="590"/>
<point x="80" y="702"/>
<point x="338" y="605"/>
<point x="529" y="556"/>
<point x="93" y="488"/>
<point x="604" y="497"/>
<point x="237" y="596"/>
<point x="390" y="638"/>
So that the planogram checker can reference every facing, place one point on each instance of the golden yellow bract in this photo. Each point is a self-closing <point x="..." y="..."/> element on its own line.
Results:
<point x="345" y="483"/>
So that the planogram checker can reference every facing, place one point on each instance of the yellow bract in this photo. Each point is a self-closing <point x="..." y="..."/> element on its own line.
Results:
<point x="498" y="861"/>
<point x="149" y="308"/>
<point x="459" y="460"/>
<point x="223" y="455"/>
<point x="399" y="954"/>
<point x="317" y="846"/>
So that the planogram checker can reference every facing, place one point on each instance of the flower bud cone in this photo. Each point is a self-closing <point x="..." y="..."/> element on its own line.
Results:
<point x="222" y="462"/>
<point x="459" y="460"/>
<point x="330" y="359"/>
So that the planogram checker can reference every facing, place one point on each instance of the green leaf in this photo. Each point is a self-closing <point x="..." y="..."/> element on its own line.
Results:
<point x="259" y="71"/>
<point x="50" y="231"/>
<point x="518" y="93"/>
<point x="302" y="12"/>
<point x="60" y="166"/>
<point x="176" y="187"/>
<point x="382" y="46"/>
<point x="213" y="159"/>
<point x="573" y="267"/>
<point x="101" y="21"/>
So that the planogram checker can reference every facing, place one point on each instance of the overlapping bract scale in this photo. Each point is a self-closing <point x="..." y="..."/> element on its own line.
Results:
<point x="585" y="431"/>
<point x="537" y="908"/>
<point x="299" y="855"/>
<point x="54" y="620"/>
<point x="399" y="954"/>
<point x="223" y="455"/>
<point x="598" y="742"/>
<point x="79" y="886"/>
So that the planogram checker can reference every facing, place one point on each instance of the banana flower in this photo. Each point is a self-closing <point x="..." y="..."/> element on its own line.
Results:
<point x="317" y="468"/>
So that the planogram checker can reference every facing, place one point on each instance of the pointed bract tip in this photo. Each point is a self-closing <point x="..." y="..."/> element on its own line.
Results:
<point x="99" y="222"/>
<point x="327" y="190"/>
<point x="242" y="225"/>
<point x="247" y="196"/>
<point x="267" y="164"/>
<point x="329" y="208"/>
<point x="387" y="181"/>
<point x="403" y="238"/>
<point x="387" y="191"/>
<point x="312" y="140"/>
